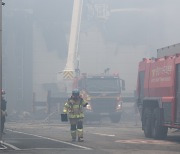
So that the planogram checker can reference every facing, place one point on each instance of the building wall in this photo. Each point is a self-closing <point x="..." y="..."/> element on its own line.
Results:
<point x="17" y="59"/>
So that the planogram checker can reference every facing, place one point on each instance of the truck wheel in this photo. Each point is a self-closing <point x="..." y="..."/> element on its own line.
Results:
<point x="147" y="122"/>
<point x="115" y="118"/>
<point x="158" y="131"/>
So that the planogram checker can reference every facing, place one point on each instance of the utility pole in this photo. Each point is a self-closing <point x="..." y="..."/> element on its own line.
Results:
<point x="1" y="3"/>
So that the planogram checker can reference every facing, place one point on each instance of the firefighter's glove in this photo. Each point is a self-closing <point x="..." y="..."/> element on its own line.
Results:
<point x="64" y="112"/>
<point x="85" y="105"/>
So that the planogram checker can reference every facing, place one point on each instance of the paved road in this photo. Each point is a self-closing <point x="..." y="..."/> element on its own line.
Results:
<point x="38" y="137"/>
<point x="106" y="138"/>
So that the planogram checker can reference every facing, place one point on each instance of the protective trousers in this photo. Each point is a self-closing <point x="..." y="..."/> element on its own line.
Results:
<point x="76" y="127"/>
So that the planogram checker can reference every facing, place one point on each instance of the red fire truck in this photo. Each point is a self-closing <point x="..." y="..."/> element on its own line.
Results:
<point x="103" y="94"/>
<point x="158" y="92"/>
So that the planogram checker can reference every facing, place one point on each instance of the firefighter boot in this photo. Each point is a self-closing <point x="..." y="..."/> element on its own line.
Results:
<point x="73" y="135"/>
<point x="80" y="139"/>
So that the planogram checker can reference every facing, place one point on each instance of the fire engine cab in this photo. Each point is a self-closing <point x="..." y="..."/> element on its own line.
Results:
<point x="103" y="94"/>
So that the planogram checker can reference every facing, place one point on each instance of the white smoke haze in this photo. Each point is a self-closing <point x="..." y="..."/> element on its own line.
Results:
<point x="39" y="30"/>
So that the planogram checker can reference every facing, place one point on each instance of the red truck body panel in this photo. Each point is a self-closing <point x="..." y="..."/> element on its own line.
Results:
<point x="159" y="77"/>
<point x="160" y="82"/>
<point x="158" y="92"/>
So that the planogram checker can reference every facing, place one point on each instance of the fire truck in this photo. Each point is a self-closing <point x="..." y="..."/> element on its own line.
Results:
<point x="158" y="92"/>
<point x="103" y="94"/>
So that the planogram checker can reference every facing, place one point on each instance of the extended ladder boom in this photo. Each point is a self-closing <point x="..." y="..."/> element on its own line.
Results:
<point x="72" y="59"/>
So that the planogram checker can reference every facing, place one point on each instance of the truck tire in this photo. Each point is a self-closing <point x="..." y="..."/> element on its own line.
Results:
<point x="115" y="118"/>
<point x="158" y="131"/>
<point x="147" y="122"/>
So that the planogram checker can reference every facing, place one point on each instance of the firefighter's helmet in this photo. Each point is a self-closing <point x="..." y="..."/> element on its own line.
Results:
<point x="75" y="93"/>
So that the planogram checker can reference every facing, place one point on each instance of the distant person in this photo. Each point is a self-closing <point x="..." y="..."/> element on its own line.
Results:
<point x="3" y="111"/>
<point x="74" y="108"/>
<point x="136" y="113"/>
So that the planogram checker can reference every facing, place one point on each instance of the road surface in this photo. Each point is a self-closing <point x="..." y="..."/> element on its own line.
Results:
<point x="40" y="137"/>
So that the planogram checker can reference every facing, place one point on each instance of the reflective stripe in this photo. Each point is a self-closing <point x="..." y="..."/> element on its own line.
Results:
<point x="76" y="106"/>
<point x="80" y="132"/>
<point x="76" y="116"/>
<point x="66" y="104"/>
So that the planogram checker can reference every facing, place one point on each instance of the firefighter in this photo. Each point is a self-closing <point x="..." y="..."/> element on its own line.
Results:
<point x="74" y="108"/>
<point x="136" y="112"/>
<point x="3" y="111"/>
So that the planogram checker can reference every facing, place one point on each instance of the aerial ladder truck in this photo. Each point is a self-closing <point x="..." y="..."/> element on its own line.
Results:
<point x="72" y="65"/>
<point x="66" y="77"/>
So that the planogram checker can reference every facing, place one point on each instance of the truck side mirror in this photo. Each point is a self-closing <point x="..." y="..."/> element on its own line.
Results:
<point x="123" y="85"/>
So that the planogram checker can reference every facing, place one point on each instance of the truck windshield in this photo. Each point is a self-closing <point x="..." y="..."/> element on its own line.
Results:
<point x="103" y="84"/>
